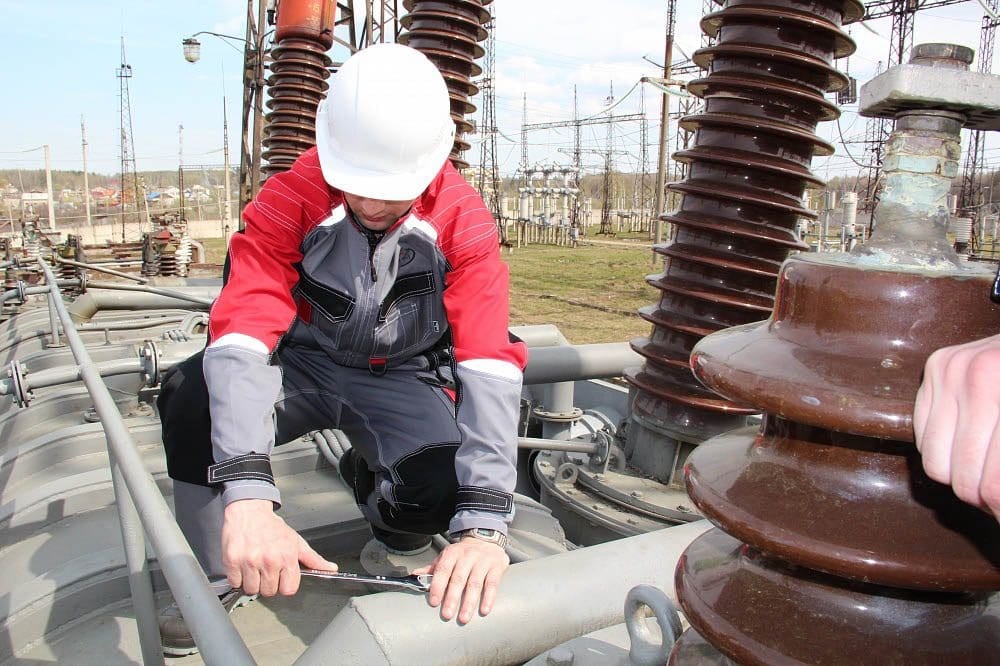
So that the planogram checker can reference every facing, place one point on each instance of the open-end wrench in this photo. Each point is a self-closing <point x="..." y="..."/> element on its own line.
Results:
<point x="417" y="582"/>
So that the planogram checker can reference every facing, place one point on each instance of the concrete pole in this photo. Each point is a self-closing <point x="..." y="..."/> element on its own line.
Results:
<point x="661" y="165"/>
<point x="86" y="181"/>
<point x="227" y="215"/>
<point x="48" y="186"/>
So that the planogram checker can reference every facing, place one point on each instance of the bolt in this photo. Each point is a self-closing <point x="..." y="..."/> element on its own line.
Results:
<point x="560" y="656"/>
<point x="632" y="521"/>
<point x="599" y="477"/>
<point x="596" y="506"/>
<point x="637" y="493"/>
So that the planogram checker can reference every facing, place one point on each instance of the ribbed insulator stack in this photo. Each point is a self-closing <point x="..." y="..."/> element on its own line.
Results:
<point x="167" y="261"/>
<point x="832" y="545"/>
<point x="769" y="70"/>
<point x="184" y="254"/>
<point x="67" y="272"/>
<point x="298" y="81"/>
<point x="448" y="32"/>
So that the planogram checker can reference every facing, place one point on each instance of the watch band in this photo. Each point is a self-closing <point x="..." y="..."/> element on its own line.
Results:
<point x="483" y="534"/>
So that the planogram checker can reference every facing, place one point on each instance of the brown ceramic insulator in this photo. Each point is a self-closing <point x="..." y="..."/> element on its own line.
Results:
<point x="448" y="32"/>
<point x="471" y="10"/>
<point x="448" y="21"/>
<point x="749" y="168"/>
<point x="297" y="83"/>
<point x="838" y="389"/>
<point x="832" y="484"/>
<point x="760" y="610"/>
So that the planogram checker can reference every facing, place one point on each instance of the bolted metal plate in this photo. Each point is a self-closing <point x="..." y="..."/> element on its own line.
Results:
<point x="918" y="87"/>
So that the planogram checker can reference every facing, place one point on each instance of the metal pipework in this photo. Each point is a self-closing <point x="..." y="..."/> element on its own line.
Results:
<point x="448" y="32"/>
<point x="299" y="72"/>
<point x="149" y="362"/>
<point x="142" y="509"/>
<point x="829" y="520"/>
<point x="109" y="296"/>
<point x="764" y="96"/>
<point x="575" y="592"/>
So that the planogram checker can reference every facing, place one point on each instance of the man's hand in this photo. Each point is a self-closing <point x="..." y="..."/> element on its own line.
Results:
<point x="261" y="553"/>
<point x="956" y="420"/>
<point x="466" y="573"/>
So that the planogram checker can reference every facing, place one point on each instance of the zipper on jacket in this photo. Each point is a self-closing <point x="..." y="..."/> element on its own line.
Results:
<point x="373" y="238"/>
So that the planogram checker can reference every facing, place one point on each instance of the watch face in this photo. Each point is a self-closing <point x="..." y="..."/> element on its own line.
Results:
<point x="489" y="534"/>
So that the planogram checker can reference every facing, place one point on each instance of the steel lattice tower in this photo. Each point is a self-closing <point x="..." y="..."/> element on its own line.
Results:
<point x="975" y="158"/>
<point x="489" y="176"/>
<point x="129" y="177"/>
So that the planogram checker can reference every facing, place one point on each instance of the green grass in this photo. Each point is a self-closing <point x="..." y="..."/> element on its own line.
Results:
<point x="591" y="292"/>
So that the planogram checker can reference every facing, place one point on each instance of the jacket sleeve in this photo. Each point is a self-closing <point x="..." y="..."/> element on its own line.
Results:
<point x="489" y="370"/>
<point x="254" y="309"/>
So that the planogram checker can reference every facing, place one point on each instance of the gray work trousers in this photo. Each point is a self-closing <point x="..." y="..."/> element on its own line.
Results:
<point x="402" y="424"/>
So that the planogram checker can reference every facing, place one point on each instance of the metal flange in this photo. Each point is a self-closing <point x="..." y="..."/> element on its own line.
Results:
<point x="18" y="386"/>
<point x="149" y="357"/>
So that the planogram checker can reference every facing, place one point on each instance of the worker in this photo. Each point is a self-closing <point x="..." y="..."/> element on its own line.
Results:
<point x="956" y="421"/>
<point x="366" y="294"/>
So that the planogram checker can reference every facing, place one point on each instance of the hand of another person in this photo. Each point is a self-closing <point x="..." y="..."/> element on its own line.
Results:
<point x="956" y="420"/>
<point x="466" y="573"/>
<point x="261" y="552"/>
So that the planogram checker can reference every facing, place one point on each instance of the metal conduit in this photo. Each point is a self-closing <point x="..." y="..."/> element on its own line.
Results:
<point x="101" y="269"/>
<point x="85" y="306"/>
<point x="23" y="291"/>
<point x="141" y="508"/>
<point x="188" y="296"/>
<point x="117" y="367"/>
<point x="570" y="594"/>
<point x="749" y="168"/>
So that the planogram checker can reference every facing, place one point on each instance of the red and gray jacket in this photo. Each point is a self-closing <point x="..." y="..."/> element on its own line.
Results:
<point x="302" y="263"/>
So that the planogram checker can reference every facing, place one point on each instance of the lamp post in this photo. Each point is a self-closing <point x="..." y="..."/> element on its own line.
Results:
<point x="254" y="55"/>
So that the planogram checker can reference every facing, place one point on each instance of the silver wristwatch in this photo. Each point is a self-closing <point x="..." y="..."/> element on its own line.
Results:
<point x="483" y="534"/>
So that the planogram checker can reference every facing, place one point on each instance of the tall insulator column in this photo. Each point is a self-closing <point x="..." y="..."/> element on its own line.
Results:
<point x="299" y="70"/>
<point x="769" y="70"/>
<point x="834" y="547"/>
<point x="448" y="32"/>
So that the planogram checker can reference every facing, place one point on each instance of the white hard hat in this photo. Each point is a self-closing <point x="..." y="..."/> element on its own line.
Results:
<point x="385" y="128"/>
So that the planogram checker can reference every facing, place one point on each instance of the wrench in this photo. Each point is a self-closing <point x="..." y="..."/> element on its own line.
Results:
<point x="417" y="583"/>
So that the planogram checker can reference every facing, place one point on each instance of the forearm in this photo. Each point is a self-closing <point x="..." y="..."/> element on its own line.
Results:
<point x="485" y="464"/>
<point x="242" y="391"/>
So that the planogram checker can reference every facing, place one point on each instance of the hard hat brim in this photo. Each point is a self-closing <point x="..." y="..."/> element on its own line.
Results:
<point x="376" y="184"/>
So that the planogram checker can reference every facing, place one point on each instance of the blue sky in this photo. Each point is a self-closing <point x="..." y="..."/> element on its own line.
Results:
<point x="63" y="57"/>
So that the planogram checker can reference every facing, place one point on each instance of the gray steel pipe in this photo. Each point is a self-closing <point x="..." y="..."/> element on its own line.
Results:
<point x="568" y="445"/>
<point x="215" y="635"/>
<point x="569" y="594"/>
<point x="128" y="297"/>
<point x="66" y="374"/>
<point x="12" y="294"/>
<point x="576" y="362"/>
<point x="101" y="269"/>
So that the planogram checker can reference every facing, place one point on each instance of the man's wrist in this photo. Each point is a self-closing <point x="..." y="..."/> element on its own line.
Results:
<point x="495" y="537"/>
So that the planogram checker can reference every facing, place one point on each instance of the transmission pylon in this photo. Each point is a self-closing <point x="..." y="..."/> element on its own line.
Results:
<point x="608" y="186"/>
<point x="975" y="158"/>
<point x="129" y="177"/>
<point x="524" y="140"/>
<point x="489" y="175"/>
<point x="643" y="184"/>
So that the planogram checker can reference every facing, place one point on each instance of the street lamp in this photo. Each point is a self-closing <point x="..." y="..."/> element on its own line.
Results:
<point x="253" y="96"/>
<point x="192" y="49"/>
